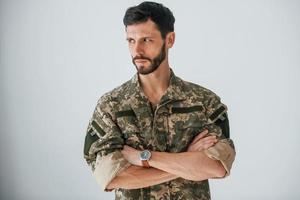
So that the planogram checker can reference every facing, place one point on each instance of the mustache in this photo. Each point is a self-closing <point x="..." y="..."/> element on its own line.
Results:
<point x="141" y="57"/>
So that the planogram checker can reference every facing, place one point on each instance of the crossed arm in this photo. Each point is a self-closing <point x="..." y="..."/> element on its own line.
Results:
<point x="192" y="165"/>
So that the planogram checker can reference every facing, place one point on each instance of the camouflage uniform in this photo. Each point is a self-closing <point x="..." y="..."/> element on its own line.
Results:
<point x="125" y="116"/>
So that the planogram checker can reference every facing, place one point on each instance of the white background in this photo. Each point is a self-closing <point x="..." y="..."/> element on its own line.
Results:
<point x="59" y="57"/>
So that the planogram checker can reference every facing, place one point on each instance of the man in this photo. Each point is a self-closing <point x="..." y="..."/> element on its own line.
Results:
<point x="157" y="136"/>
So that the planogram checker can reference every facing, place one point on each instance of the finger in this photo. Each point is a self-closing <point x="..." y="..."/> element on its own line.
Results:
<point x="207" y="138"/>
<point x="206" y="146"/>
<point x="208" y="142"/>
<point x="200" y="135"/>
<point x="199" y="146"/>
<point x="213" y="139"/>
<point x="200" y="143"/>
<point x="213" y="142"/>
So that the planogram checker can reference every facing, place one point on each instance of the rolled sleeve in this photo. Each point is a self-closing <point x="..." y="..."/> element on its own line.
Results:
<point x="223" y="152"/>
<point x="224" y="149"/>
<point x="103" y="145"/>
<point x="108" y="167"/>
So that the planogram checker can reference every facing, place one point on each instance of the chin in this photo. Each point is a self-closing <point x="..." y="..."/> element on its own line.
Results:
<point x="142" y="68"/>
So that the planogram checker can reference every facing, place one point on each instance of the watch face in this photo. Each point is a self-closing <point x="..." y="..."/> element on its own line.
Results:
<point x="145" y="155"/>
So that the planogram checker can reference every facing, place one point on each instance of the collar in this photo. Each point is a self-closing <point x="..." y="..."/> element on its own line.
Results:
<point x="174" y="92"/>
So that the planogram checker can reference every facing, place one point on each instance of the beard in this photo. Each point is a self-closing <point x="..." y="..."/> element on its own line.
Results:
<point x="154" y="63"/>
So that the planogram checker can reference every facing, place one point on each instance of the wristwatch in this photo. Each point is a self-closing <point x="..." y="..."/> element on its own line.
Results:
<point x="145" y="157"/>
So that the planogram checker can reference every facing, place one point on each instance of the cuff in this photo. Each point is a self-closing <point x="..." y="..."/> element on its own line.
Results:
<point x="223" y="152"/>
<point x="108" y="167"/>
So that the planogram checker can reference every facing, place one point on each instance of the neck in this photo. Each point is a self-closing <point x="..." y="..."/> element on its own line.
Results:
<point x="155" y="84"/>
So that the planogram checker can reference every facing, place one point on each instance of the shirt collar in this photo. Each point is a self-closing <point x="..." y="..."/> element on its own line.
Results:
<point x="174" y="92"/>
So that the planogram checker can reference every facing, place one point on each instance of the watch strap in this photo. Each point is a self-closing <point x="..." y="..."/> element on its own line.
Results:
<point x="145" y="163"/>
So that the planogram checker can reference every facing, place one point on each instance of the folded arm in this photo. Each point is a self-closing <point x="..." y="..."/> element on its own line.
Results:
<point x="113" y="169"/>
<point x="194" y="166"/>
<point x="139" y="177"/>
<point x="206" y="157"/>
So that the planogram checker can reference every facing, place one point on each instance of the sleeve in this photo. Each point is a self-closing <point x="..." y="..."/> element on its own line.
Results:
<point x="218" y="124"/>
<point x="103" y="142"/>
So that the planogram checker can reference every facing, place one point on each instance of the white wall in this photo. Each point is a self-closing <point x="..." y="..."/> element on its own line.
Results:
<point x="59" y="57"/>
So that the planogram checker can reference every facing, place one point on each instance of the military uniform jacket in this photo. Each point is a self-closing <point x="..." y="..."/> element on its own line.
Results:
<point x="125" y="116"/>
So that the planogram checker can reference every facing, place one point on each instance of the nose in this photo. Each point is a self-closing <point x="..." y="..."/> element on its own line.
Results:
<point x="137" y="49"/>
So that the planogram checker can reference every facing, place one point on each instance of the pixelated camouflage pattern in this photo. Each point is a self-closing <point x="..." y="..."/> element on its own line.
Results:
<point x="126" y="117"/>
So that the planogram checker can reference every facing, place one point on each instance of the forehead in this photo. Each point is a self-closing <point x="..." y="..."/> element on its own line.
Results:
<point x="143" y="29"/>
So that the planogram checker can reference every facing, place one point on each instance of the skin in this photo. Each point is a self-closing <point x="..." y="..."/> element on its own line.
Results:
<point x="144" y="40"/>
<point x="145" y="45"/>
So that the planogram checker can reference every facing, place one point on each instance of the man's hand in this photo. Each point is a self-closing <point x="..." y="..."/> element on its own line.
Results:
<point x="131" y="155"/>
<point x="202" y="142"/>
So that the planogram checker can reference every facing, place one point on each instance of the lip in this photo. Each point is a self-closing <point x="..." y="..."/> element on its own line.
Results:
<point x="140" y="60"/>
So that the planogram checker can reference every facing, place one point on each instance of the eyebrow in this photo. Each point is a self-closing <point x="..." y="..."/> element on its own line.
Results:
<point x="129" y="38"/>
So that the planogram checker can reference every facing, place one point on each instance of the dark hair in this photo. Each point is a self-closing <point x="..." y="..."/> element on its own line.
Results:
<point x="157" y="12"/>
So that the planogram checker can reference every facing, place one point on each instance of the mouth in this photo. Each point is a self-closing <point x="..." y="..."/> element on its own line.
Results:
<point x="140" y="60"/>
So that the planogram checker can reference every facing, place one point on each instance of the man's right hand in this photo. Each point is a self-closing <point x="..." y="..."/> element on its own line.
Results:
<point x="202" y="142"/>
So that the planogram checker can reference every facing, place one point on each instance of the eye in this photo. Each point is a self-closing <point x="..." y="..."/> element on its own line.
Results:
<point x="130" y="40"/>
<point x="147" y="40"/>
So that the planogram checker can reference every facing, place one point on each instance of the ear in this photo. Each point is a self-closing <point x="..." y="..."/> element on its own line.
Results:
<point x="170" y="39"/>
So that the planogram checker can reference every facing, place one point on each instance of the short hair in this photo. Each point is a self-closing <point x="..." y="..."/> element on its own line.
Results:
<point x="157" y="12"/>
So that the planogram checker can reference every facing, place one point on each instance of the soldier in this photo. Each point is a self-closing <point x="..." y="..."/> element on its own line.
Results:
<point x="157" y="136"/>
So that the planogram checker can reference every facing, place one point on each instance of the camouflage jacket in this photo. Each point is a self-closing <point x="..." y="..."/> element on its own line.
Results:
<point x="125" y="116"/>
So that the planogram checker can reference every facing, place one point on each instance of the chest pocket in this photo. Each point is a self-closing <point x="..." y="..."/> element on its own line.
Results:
<point x="128" y="124"/>
<point x="184" y="124"/>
